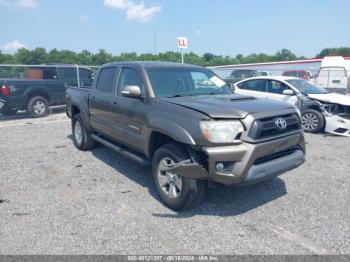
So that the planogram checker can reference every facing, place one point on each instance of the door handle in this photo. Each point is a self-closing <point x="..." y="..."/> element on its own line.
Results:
<point x="115" y="103"/>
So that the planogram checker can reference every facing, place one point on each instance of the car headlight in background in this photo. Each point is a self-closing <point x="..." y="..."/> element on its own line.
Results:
<point x="221" y="131"/>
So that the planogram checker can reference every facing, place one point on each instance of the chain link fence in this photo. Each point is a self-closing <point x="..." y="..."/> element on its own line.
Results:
<point x="38" y="90"/>
<point x="334" y="79"/>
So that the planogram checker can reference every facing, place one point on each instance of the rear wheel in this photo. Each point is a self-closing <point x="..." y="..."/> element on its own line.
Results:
<point x="38" y="106"/>
<point x="175" y="191"/>
<point x="81" y="136"/>
<point x="312" y="121"/>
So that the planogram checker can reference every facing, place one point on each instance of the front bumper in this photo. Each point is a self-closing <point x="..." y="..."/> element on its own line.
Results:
<point x="337" y="125"/>
<point x="247" y="163"/>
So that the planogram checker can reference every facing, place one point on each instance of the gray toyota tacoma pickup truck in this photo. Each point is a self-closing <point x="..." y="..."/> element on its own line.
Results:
<point x="186" y="123"/>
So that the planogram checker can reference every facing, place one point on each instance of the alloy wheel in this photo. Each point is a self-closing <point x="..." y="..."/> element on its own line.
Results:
<point x="170" y="183"/>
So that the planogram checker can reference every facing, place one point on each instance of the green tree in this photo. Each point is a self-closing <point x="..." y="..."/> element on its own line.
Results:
<point x="102" y="57"/>
<point x="41" y="56"/>
<point x="334" y="51"/>
<point x="284" y="55"/>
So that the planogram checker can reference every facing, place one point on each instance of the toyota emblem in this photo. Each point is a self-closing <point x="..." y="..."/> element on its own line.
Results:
<point x="281" y="123"/>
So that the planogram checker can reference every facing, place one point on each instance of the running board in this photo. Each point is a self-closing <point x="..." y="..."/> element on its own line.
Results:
<point x="122" y="151"/>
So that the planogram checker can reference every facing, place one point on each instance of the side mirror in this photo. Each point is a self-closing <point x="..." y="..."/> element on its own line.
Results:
<point x="288" y="92"/>
<point x="132" y="91"/>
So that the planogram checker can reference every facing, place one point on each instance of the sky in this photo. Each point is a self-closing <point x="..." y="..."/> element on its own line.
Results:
<point x="222" y="27"/>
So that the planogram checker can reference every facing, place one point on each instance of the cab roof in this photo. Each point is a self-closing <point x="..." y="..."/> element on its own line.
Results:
<point x="148" y="64"/>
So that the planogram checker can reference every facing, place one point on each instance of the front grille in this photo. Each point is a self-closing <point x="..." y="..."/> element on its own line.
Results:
<point x="276" y="155"/>
<point x="266" y="127"/>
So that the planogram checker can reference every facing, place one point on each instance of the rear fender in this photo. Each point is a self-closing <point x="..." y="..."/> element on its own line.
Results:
<point x="83" y="111"/>
<point x="36" y="91"/>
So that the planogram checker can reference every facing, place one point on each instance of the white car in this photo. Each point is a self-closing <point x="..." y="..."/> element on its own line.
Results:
<point x="320" y="109"/>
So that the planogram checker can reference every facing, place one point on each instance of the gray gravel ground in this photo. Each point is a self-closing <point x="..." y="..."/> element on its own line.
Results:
<point x="58" y="200"/>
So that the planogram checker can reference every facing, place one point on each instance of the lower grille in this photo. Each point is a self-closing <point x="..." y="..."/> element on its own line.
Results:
<point x="276" y="155"/>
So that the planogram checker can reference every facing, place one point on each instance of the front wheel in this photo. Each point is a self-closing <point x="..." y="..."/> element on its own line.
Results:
<point x="312" y="121"/>
<point x="175" y="191"/>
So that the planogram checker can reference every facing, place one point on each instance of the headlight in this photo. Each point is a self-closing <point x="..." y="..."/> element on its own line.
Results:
<point x="221" y="131"/>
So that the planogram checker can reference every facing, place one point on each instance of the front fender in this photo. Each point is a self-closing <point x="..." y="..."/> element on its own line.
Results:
<point x="169" y="128"/>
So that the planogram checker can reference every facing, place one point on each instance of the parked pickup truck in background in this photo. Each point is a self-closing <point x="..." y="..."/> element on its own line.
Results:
<point x="240" y="74"/>
<point x="38" y="87"/>
<point x="191" y="132"/>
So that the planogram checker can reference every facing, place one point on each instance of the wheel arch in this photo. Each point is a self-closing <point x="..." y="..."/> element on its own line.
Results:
<point x="76" y="109"/>
<point x="164" y="132"/>
<point x="37" y="91"/>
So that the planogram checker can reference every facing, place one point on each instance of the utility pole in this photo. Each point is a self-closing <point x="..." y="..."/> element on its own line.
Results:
<point x="155" y="42"/>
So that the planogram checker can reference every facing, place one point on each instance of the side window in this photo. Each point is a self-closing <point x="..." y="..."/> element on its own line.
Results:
<point x="276" y="87"/>
<point x="130" y="77"/>
<point x="106" y="80"/>
<point x="254" y="85"/>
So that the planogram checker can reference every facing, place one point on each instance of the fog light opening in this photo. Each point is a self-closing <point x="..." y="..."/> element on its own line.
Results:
<point x="220" y="167"/>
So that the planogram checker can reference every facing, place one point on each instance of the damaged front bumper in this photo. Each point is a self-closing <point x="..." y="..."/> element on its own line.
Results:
<point x="337" y="125"/>
<point x="245" y="163"/>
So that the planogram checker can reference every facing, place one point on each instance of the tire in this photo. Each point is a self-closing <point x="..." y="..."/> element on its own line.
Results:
<point x="177" y="193"/>
<point x="38" y="106"/>
<point x="312" y="121"/>
<point x="81" y="136"/>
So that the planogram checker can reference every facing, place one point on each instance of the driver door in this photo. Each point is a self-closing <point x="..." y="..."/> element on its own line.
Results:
<point x="131" y="113"/>
<point x="275" y="91"/>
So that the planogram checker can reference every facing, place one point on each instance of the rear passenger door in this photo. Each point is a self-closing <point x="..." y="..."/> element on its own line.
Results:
<point x="103" y="103"/>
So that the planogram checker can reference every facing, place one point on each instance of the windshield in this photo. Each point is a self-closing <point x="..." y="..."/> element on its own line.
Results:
<point x="172" y="82"/>
<point x="306" y="87"/>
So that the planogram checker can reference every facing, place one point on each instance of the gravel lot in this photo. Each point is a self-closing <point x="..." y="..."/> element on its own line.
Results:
<point x="58" y="200"/>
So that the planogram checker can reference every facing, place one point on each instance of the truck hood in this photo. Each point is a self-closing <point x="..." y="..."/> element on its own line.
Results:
<point x="227" y="106"/>
<point x="332" y="98"/>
